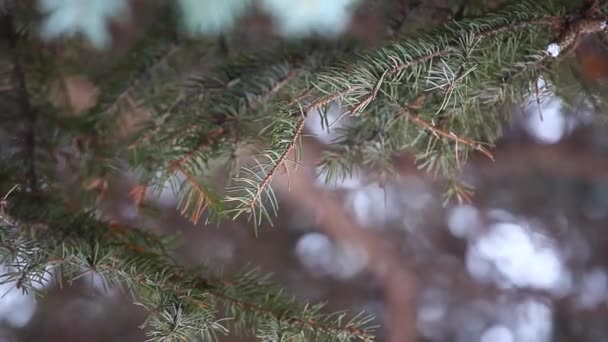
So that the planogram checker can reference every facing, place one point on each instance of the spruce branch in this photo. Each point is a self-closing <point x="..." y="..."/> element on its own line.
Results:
<point x="182" y="302"/>
<point x="398" y="57"/>
<point x="230" y="102"/>
<point x="462" y="86"/>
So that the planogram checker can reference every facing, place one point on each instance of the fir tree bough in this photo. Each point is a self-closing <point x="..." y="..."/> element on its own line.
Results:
<point x="435" y="94"/>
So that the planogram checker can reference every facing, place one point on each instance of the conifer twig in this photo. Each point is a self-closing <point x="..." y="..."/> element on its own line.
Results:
<point x="203" y="197"/>
<point x="293" y="74"/>
<point x="281" y="160"/>
<point x="410" y="110"/>
<point x="209" y="139"/>
<point x="277" y="165"/>
<point x="124" y="94"/>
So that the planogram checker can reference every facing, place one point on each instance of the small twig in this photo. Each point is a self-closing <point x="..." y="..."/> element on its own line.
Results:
<point x="217" y="132"/>
<point x="203" y="201"/>
<point x="290" y="77"/>
<point x="279" y="163"/>
<point x="411" y="111"/>
<point x="163" y="119"/>
<point x="4" y="202"/>
<point x="283" y="157"/>
<point x="372" y="96"/>
<point x="127" y="91"/>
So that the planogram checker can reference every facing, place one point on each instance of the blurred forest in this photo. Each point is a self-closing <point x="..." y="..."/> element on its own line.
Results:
<point x="521" y="258"/>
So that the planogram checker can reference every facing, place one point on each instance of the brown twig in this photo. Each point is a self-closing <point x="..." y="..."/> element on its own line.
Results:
<point x="290" y="77"/>
<point x="203" y="197"/>
<point x="163" y="120"/>
<point x="372" y="96"/>
<point x="410" y="110"/>
<point x="127" y="91"/>
<point x="279" y="163"/>
<point x="217" y="132"/>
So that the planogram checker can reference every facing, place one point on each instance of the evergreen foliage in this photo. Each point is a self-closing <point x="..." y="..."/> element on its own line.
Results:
<point x="435" y="93"/>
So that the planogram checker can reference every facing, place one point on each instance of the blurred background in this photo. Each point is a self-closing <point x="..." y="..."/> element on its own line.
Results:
<point x="521" y="259"/>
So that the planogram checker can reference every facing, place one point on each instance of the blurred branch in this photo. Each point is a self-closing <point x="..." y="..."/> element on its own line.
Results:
<point x="298" y="187"/>
<point x="564" y="159"/>
<point x="29" y="115"/>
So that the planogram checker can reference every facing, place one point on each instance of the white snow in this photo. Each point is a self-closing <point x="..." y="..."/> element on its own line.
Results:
<point x="373" y="205"/>
<point x="593" y="290"/>
<point x="17" y="307"/>
<point x="90" y="18"/>
<point x="554" y="49"/>
<point x="319" y="254"/>
<point x="328" y="129"/>
<point x="211" y="17"/>
<point x="314" y="250"/>
<point x="532" y="321"/>
<point x="509" y="255"/>
<point x="547" y="124"/>
<point x="348" y="261"/>
<point x="497" y="333"/>
<point x="303" y="17"/>
<point x="463" y="221"/>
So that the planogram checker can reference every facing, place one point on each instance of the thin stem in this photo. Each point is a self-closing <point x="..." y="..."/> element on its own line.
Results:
<point x="127" y="91"/>
<point x="280" y="162"/>
<point x="412" y="114"/>
<point x="283" y="157"/>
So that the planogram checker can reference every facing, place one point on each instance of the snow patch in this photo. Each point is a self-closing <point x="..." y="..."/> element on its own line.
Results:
<point x="314" y="250"/>
<point x="463" y="221"/>
<point x="17" y="307"/>
<point x="373" y="205"/>
<point x="511" y="256"/>
<point x="326" y="127"/>
<point x="554" y="49"/>
<point x="319" y="254"/>
<point x="593" y="289"/>
<point x="497" y="333"/>
<point x="298" y="18"/>
<point x="533" y="321"/>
